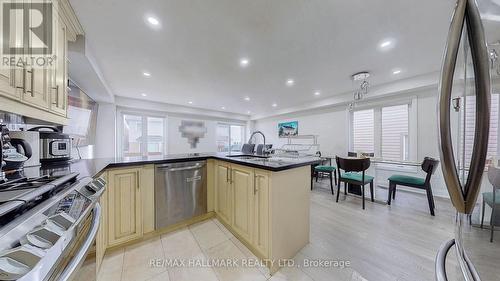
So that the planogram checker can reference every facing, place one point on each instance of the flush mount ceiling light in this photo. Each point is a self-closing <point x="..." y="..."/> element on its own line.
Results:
<point x="190" y="102"/>
<point x="244" y="62"/>
<point x="317" y="93"/>
<point x="247" y="98"/>
<point x="153" y="21"/>
<point x="144" y="94"/>
<point x="396" y="71"/>
<point x="386" y="44"/>
<point x="248" y="112"/>
<point x="223" y="108"/>
<point x="274" y="105"/>
<point x="290" y="82"/>
<point x="146" y="74"/>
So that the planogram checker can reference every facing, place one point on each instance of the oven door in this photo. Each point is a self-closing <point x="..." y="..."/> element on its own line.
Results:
<point x="80" y="261"/>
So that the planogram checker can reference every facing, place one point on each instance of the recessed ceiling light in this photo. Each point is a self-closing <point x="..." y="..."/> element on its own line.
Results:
<point x="248" y="112"/>
<point x="190" y="102"/>
<point x="274" y="105"/>
<point x="317" y="93"/>
<point x="247" y="98"/>
<point x="396" y="71"/>
<point x="244" y="62"/>
<point x="143" y="94"/>
<point x="147" y="74"/>
<point x="223" y="108"/>
<point x="153" y="21"/>
<point x="386" y="44"/>
<point x="290" y="82"/>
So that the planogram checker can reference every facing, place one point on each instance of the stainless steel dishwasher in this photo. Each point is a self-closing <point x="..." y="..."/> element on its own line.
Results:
<point x="180" y="192"/>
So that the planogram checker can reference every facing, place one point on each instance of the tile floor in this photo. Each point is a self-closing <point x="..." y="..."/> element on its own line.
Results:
<point x="382" y="243"/>
<point x="198" y="243"/>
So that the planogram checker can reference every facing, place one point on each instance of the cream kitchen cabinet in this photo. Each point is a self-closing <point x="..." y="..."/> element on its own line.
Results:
<point x="41" y="93"/>
<point x="57" y="79"/>
<point x="129" y="202"/>
<point x="7" y="84"/>
<point x="268" y="211"/>
<point x="124" y="202"/>
<point x="223" y="205"/>
<point x="242" y="191"/>
<point x="242" y="203"/>
<point x="261" y="212"/>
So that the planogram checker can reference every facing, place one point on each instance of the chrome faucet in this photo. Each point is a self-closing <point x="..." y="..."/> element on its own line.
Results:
<point x="264" y="150"/>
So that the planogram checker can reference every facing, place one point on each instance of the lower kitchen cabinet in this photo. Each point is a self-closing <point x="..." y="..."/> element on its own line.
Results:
<point x="223" y="192"/>
<point x="129" y="204"/>
<point x="267" y="211"/>
<point x="261" y="213"/>
<point x="242" y="183"/>
<point x="124" y="198"/>
<point x="243" y="203"/>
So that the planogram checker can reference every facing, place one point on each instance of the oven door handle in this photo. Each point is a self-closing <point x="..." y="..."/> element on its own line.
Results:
<point x="79" y="257"/>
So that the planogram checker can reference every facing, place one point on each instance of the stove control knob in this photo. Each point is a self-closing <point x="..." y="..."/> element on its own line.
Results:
<point x="96" y="185"/>
<point x="41" y="237"/>
<point x="17" y="262"/>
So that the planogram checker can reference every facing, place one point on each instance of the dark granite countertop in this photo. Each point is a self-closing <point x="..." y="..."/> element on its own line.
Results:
<point x="92" y="167"/>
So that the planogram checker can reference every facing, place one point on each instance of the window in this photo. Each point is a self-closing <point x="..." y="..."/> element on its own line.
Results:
<point x="467" y="127"/>
<point x="383" y="131"/>
<point x="395" y="142"/>
<point x="230" y="137"/>
<point x="143" y="135"/>
<point x="363" y="131"/>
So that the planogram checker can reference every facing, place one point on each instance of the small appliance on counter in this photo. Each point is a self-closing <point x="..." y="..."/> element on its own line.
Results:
<point x="54" y="145"/>
<point x="33" y="139"/>
<point x="15" y="152"/>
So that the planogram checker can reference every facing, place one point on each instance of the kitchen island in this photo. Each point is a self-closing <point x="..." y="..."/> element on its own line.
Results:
<point x="264" y="202"/>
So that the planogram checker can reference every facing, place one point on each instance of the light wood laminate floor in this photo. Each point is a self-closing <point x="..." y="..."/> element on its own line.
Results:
<point x="397" y="242"/>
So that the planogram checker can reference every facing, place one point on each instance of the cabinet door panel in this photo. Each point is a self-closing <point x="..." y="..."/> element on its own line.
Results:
<point x="57" y="78"/>
<point x="223" y="198"/>
<point x="261" y="214"/>
<point x="124" y="206"/>
<point x="7" y="83"/>
<point x="243" y="189"/>
<point x="35" y="92"/>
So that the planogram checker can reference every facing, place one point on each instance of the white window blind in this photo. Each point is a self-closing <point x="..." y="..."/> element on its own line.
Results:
<point x="363" y="131"/>
<point x="395" y="132"/>
<point x="469" y="125"/>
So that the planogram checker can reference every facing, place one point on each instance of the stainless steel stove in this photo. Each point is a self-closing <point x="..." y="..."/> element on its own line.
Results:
<point x="47" y="225"/>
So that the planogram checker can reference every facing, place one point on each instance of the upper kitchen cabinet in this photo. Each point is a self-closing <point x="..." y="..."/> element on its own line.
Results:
<point x="36" y="84"/>
<point x="58" y="77"/>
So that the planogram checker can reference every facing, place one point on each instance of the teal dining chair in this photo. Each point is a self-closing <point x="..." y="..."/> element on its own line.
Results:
<point x="326" y="170"/>
<point x="429" y="166"/>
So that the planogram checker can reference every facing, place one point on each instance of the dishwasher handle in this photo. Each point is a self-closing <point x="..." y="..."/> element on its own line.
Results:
<point x="168" y="169"/>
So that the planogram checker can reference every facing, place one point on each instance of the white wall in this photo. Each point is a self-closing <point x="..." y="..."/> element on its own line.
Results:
<point x="329" y="125"/>
<point x="105" y="131"/>
<point x="178" y="144"/>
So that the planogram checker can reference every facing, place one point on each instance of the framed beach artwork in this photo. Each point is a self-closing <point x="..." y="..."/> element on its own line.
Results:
<point x="288" y="129"/>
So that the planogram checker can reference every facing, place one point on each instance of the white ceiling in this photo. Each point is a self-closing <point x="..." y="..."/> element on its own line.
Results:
<point x="194" y="55"/>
